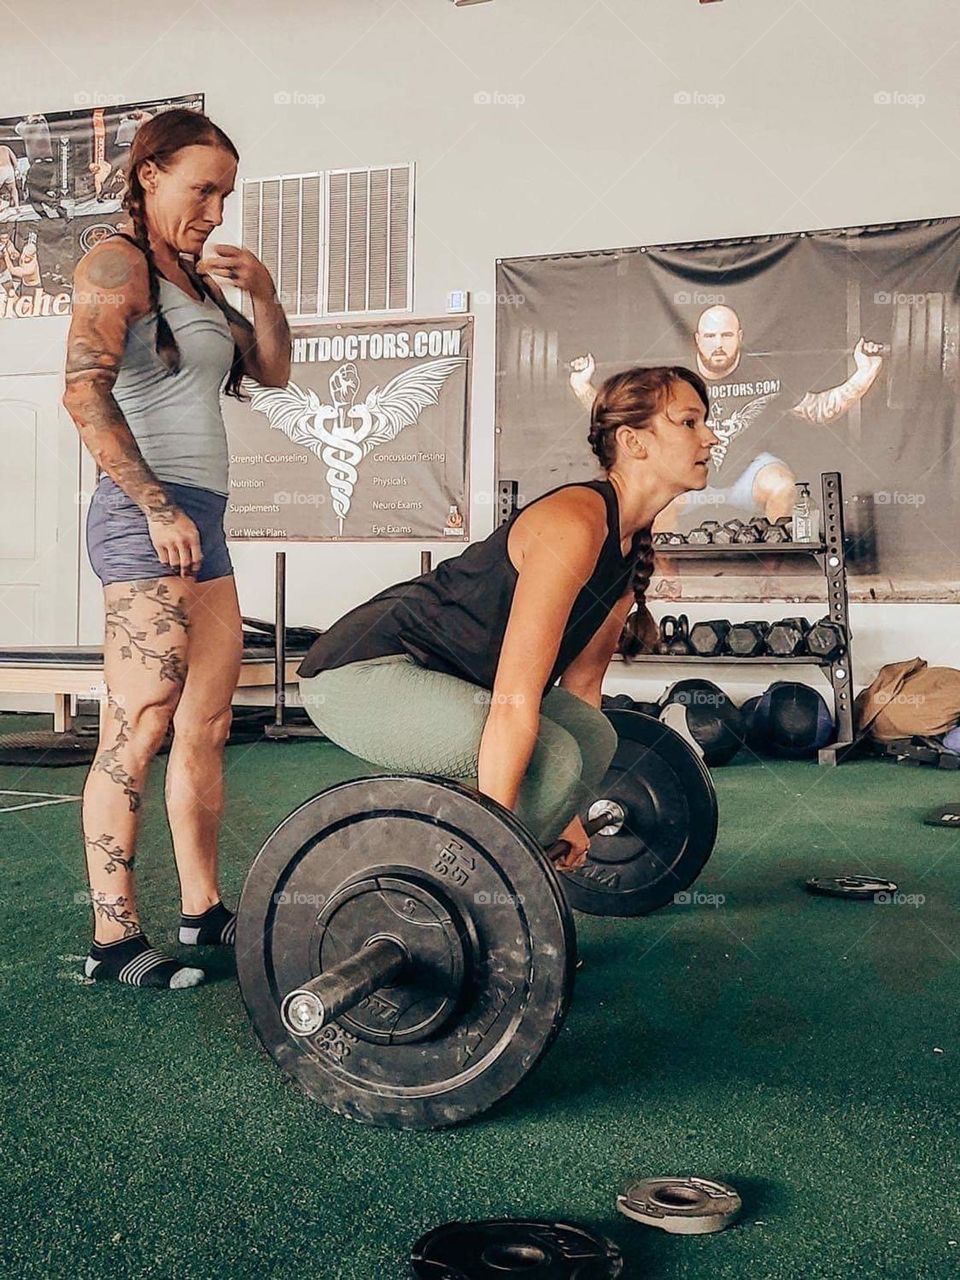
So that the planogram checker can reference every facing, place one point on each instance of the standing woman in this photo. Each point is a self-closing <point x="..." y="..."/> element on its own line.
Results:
<point x="152" y="344"/>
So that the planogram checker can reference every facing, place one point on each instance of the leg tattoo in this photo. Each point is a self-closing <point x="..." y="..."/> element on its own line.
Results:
<point x="107" y="762"/>
<point x="114" y="856"/>
<point x="170" y="612"/>
<point x="116" y="909"/>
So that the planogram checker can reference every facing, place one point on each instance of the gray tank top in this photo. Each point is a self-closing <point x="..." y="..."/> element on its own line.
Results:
<point x="175" y="418"/>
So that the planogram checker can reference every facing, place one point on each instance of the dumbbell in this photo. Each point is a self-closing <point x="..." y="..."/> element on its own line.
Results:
<point x="786" y="638"/>
<point x="779" y="531"/>
<point x="752" y="531"/>
<point x="826" y="640"/>
<point x="676" y="539"/>
<point x="660" y="539"/>
<point x="703" y="534"/>
<point x="747" y="639"/>
<point x="707" y="638"/>
<point x="675" y="635"/>
<point x="727" y="533"/>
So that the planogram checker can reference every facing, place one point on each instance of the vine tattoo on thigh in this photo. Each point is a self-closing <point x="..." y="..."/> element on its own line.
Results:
<point x="170" y="613"/>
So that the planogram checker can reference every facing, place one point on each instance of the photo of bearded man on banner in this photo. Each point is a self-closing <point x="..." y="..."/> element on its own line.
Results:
<point x="747" y="401"/>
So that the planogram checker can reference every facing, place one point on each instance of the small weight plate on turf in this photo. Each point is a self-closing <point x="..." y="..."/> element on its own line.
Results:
<point x="669" y="829"/>
<point x="861" y="887"/>
<point x="503" y="1247"/>
<point x="682" y="1206"/>
<point x="462" y="884"/>
<point x="948" y="816"/>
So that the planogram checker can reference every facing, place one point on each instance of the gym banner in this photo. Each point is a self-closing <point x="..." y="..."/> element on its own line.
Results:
<point x="369" y="440"/>
<point x="822" y="351"/>
<point x="62" y="176"/>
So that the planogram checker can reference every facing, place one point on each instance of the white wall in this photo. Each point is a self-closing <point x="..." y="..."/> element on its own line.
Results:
<point x="597" y="154"/>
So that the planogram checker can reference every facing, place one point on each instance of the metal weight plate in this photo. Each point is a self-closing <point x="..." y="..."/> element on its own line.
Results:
<point x="462" y="884"/>
<point x="669" y="829"/>
<point x="859" y="887"/>
<point x="682" y="1206"/>
<point x="498" y="1248"/>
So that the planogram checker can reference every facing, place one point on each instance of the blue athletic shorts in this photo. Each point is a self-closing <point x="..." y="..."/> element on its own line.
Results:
<point x="118" y="541"/>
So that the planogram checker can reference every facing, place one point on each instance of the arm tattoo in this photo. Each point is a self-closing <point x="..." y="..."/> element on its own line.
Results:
<point x="91" y="370"/>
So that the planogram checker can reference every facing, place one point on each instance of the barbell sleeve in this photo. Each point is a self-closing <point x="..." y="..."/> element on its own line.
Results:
<point x="307" y="1009"/>
<point x="591" y="826"/>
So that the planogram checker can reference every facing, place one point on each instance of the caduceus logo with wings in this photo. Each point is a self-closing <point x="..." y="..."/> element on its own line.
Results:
<point x="342" y="433"/>
<point x="727" y="429"/>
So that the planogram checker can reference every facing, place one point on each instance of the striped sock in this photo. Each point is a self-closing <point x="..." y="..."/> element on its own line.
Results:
<point x="217" y="927"/>
<point x="134" y="962"/>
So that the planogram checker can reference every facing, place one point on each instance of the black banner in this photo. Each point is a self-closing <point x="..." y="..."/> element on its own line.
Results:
<point x="822" y="351"/>
<point x="62" y="176"/>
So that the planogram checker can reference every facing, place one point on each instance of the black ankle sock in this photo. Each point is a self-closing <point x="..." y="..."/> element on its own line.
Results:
<point x="216" y="927"/>
<point x="135" y="963"/>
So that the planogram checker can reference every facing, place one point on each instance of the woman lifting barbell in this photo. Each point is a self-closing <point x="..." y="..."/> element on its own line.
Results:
<point x="455" y="672"/>
<point x="152" y="343"/>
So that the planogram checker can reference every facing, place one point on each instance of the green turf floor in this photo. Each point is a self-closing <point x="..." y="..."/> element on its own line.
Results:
<point x="803" y="1048"/>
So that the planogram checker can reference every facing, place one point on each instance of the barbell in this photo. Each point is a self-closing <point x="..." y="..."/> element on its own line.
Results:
<point x="406" y="948"/>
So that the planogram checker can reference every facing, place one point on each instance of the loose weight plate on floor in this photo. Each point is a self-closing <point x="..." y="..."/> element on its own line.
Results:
<point x="669" y="828"/>
<point x="502" y="1247"/>
<point x="496" y="943"/>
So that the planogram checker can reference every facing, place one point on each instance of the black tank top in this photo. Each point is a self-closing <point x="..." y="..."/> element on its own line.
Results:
<point x="453" y="619"/>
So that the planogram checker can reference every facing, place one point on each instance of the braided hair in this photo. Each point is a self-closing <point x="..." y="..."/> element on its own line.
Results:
<point x="632" y="399"/>
<point x="159" y="139"/>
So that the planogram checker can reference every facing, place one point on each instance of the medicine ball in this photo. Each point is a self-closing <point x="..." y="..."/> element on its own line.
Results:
<point x="712" y="717"/>
<point x="791" y="720"/>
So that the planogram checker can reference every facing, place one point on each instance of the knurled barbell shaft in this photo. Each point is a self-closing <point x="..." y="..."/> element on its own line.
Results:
<point x="318" y="1002"/>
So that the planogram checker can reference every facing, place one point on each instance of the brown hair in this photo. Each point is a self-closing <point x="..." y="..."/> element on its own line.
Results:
<point x="159" y="140"/>
<point x="632" y="399"/>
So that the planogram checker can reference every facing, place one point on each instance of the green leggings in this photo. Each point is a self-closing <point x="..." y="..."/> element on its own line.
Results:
<point x="400" y="716"/>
